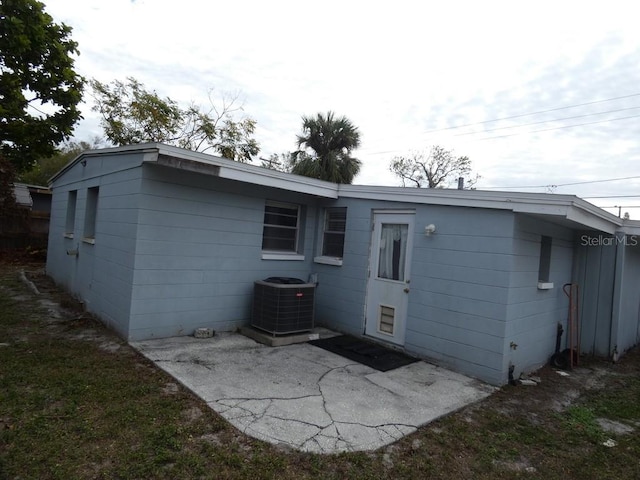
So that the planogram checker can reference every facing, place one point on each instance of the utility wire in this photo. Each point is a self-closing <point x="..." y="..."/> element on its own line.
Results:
<point x="558" y="128"/>
<point x="623" y="206"/>
<point x="569" y="184"/>
<point x="615" y="196"/>
<point x="533" y="113"/>
<point x="384" y="152"/>
<point x="547" y="121"/>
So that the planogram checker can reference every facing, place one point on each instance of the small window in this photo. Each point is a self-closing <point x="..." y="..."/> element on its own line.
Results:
<point x="281" y="223"/>
<point x="90" y="214"/>
<point x="72" y="199"/>
<point x="335" y="222"/>
<point x="545" y="259"/>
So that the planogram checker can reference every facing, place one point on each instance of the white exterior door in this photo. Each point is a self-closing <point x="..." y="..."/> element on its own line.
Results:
<point x="388" y="285"/>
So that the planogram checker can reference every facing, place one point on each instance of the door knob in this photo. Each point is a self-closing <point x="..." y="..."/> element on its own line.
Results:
<point x="406" y="290"/>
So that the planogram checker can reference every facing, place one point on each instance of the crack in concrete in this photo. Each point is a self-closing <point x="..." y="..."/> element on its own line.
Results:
<point x="338" y="436"/>
<point x="313" y="417"/>
<point x="328" y="437"/>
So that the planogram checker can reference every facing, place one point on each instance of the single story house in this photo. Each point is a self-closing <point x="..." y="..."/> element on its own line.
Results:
<point x="158" y="241"/>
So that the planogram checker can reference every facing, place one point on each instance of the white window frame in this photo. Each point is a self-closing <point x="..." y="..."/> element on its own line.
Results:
<point x="276" y="254"/>
<point x="324" y="257"/>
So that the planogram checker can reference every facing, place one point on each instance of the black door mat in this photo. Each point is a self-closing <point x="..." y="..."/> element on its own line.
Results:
<point x="370" y="354"/>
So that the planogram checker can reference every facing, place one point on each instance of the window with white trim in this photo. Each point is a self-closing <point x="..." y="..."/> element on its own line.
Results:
<point x="281" y="226"/>
<point x="335" y="221"/>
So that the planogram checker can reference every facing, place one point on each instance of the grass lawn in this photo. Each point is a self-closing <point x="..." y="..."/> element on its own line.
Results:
<point x="78" y="402"/>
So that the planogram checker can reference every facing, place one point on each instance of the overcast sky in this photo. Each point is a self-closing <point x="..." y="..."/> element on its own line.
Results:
<point x="537" y="94"/>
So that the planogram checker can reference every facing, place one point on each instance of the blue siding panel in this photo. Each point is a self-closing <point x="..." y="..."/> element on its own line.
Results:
<point x="459" y="284"/>
<point x="532" y="315"/>
<point x="101" y="274"/>
<point x="629" y="315"/>
<point x="207" y="232"/>
<point x="594" y="273"/>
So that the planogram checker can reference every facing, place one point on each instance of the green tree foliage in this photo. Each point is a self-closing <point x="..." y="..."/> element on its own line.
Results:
<point x="131" y="114"/>
<point x="13" y="218"/>
<point x="39" y="89"/>
<point x="47" y="167"/>
<point x="437" y="168"/>
<point x="326" y="144"/>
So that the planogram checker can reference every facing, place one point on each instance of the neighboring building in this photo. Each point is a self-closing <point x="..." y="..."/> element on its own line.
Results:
<point x="158" y="241"/>
<point x="29" y="226"/>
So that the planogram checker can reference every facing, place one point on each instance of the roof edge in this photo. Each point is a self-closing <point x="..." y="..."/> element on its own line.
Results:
<point x="570" y="207"/>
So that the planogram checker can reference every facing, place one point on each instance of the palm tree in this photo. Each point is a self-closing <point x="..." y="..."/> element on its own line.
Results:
<point x="325" y="147"/>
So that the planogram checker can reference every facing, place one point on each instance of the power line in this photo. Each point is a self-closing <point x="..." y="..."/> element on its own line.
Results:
<point x="533" y="113"/>
<point x="597" y="181"/>
<point x="547" y="121"/>
<point x="571" y="184"/>
<point x="384" y="152"/>
<point x="615" y="196"/>
<point x="558" y="128"/>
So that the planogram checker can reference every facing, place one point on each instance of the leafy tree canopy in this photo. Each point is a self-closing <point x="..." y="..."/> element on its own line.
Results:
<point x="39" y="89"/>
<point x="131" y="114"/>
<point x="437" y="168"/>
<point x="325" y="147"/>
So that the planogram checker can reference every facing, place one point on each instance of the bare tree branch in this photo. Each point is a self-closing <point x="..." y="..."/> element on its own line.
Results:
<point x="438" y="168"/>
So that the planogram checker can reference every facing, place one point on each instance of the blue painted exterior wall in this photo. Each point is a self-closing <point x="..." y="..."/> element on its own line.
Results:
<point x="198" y="252"/>
<point x="533" y="314"/>
<point x="459" y="288"/>
<point x="173" y="250"/>
<point x="100" y="274"/>
<point x="607" y="267"/>
<point x="459" y="283"/>
<point x="594" y="272"/>
<point x="474" y="287"/>
<point x="341" y="291"/>
<point x="625" y="329"/>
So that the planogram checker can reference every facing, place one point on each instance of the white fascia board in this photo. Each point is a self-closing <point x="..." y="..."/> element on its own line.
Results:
<point x="253" y="174"/>
<point x="454" y="197"/>
<point x="568" y="207"/>
<point x="225" y="168"/>
<point x="589" y="220"/>
<point x="292" y="183"/>
<point x="541" y="209"/>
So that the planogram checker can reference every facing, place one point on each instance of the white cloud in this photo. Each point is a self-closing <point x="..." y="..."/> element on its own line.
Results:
<point x="399" y="71"/>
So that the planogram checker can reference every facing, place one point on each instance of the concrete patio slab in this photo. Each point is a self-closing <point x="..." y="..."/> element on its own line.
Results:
<point x="307" y="398"/>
